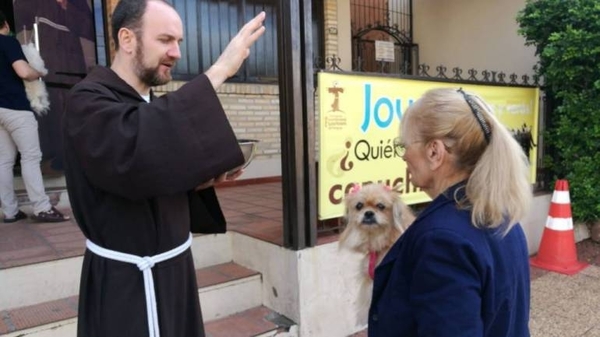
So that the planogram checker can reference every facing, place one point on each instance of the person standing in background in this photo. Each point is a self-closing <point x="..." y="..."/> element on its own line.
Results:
<point x="67" y="46"/>
<point x="19" y="131"/>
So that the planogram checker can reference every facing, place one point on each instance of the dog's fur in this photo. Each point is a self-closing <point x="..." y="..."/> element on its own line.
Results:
<point x="375" y="218"/>
<point x="36" y="90"/>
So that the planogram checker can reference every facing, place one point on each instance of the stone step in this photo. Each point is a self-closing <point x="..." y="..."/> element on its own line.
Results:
<point x="49" y="277"/>
<point x="53" y="318"/>
<point x="40" y="282"/>
<point x="227" y="289"/>
<point x="224" y="290"/>
<point x="55" y="187"/>
<point x="256" y="322"/>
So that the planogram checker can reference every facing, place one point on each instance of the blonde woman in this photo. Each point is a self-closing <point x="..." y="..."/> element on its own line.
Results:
<point x="462" y="268"/>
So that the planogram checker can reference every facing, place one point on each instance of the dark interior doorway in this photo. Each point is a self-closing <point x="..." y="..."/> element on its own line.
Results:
<point x="7" y="8"/>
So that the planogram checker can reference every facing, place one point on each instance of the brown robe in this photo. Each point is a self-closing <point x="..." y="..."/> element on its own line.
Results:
<point x="131" y="167"/>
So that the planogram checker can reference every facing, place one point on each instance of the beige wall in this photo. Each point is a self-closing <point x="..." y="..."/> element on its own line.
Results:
<point x="338" y="36"/>
<point x="480" y="34"/>
<point x="330" y="25"/>
<point x="344" y="35"/>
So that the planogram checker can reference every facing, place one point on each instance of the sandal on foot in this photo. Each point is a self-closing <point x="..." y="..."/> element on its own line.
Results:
<point x="51" y="215"/>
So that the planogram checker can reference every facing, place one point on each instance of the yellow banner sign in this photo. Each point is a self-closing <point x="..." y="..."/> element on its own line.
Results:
<point x="360" y="116"/>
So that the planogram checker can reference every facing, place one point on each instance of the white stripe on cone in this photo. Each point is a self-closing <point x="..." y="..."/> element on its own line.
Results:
<point x="561" y="197"/>
<point x="559" y="224"/>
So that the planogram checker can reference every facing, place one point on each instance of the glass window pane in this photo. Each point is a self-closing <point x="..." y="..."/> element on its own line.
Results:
<point x="209" y="25"/>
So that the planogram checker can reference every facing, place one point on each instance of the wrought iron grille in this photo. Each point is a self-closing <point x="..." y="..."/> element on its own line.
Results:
<point x="484" y="77"/>
<point x="383" y="20"/>
<point x="455" y="74"/>
<point x="210" y="25"/>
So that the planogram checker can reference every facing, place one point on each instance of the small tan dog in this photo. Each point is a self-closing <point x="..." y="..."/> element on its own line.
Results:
<point x="375" y="218"/>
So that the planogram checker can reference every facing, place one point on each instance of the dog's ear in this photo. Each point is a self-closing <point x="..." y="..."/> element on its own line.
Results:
<point x="344" y="241"/>
<point x="345" y="216"/>
<point x="347" y="202"/>
<point x="397" y="188"/>
<point x="403" y="216"/>
<point x="397" y="211"/>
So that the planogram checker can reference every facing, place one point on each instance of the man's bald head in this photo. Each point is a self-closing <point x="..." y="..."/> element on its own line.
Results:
<point x="128" y="14"/>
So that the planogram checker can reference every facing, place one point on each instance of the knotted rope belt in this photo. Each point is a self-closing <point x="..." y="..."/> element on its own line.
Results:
<point x="145" y="265"/>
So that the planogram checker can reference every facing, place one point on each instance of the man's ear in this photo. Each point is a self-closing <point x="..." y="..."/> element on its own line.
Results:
<point x="127" y="40"/>
<point x="436" y="154"/>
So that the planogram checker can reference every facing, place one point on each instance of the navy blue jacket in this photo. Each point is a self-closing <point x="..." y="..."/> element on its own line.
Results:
<point x="445" y="277"/>
<point x="12" y="89"/>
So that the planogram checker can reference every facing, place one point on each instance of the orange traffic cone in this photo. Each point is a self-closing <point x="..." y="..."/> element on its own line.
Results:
<point x="557" y="250"/>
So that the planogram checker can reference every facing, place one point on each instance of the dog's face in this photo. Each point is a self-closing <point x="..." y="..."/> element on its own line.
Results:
<point x="371" y="206"/>
<point x="375" y="218"/>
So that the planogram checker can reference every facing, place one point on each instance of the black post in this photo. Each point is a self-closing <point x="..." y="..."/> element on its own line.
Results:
<point x="296" y="103"/>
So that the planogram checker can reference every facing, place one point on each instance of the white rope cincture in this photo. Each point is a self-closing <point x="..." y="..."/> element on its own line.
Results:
<point x="145" y="265"/>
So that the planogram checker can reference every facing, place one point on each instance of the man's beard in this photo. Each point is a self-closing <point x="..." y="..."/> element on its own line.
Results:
<point x="148" y="75"/>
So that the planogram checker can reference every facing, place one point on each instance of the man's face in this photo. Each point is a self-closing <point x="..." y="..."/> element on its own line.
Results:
<point x="4" y="28"/>
<point x="157" y="48"/>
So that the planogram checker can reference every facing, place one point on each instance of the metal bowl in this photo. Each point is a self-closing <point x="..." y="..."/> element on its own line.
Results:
<point x="248" y="147"/>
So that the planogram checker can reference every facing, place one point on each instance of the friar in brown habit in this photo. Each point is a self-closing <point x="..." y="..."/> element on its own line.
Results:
<point x="140" y="171"/>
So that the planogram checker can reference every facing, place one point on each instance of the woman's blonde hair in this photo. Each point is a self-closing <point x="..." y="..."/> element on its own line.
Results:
<point x="498" y="189"/>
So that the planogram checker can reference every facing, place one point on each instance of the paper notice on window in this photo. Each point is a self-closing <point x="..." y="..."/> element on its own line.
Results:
<point x="384" y="51"/>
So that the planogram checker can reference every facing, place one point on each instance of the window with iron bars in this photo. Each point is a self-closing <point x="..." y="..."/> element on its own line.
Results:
<point x="209" y="25"/>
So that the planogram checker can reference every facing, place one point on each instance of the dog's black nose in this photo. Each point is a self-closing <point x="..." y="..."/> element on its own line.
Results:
<point x="369" y="218"/>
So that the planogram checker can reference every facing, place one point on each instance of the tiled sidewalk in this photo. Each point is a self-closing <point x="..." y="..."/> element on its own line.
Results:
<point x="26" y="242"/>
<point x="254" y="210"/>
<point x="251" y="209"/>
